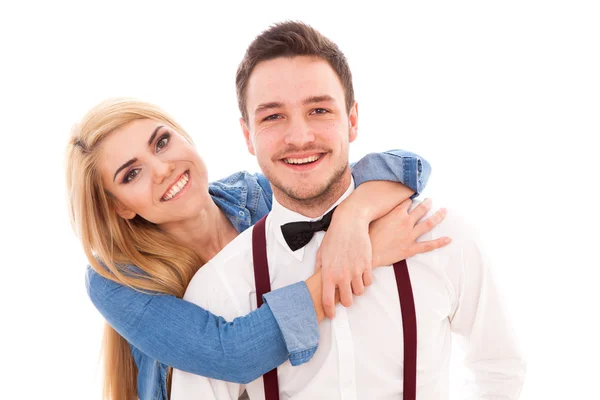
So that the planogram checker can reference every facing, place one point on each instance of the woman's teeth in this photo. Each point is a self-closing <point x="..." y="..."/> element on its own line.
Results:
<point x="176" y="188"/>
<point x="301" y="160"/>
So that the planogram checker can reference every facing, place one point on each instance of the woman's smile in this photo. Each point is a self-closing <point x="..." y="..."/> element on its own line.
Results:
<point x="178" y="188"/>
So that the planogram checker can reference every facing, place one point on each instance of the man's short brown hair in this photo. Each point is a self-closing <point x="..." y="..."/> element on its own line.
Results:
<point x="290" y="39"/>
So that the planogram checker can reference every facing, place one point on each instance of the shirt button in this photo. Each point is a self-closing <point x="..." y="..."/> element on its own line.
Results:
<point x="241" y="213"/>
<point x="348" y="382"/>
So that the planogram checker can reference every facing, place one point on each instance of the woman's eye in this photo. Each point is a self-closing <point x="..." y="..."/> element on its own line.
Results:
<point x="130" y="175"/>
<point x="162" y="142"/>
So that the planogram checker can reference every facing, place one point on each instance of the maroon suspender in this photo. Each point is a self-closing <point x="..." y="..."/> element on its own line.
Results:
<point x="407" y="308"/>
<point x="263" y="285"/>
<point x="259" y="257"/>
<point x="409" y="327"/>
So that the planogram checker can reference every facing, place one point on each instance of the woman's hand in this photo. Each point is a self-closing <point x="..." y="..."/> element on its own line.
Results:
<point x="345" y="255"/>
<point x="352" y="246"/>
<point x="394" y="236"/>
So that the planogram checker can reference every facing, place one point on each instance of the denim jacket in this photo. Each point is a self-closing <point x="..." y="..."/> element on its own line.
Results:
<point x="165" y="331"/>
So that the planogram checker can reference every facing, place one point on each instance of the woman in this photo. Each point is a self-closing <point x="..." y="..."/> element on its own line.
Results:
<point x="144" y="248"/>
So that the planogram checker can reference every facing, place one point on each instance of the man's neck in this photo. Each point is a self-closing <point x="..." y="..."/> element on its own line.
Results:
<point x="316" y="206"/>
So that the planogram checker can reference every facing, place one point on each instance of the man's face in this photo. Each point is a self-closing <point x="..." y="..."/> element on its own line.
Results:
<point x="298" y="126"/>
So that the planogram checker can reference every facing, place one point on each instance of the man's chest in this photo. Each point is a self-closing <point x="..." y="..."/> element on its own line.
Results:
<point x="363" y="346"/>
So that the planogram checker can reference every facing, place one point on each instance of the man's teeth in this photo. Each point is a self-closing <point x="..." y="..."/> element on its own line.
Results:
<point x="180" y="184"/>
<point x="301" y="160"/>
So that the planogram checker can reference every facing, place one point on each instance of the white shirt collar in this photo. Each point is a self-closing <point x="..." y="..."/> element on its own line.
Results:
<point x="280" y="215"/>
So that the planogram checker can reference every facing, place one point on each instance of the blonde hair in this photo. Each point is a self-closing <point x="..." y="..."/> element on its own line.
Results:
<point x="111" y="243"/>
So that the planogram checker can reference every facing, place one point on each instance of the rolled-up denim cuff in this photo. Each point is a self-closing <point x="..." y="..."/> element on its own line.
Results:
<point x="295" y="314"/>
<point x="413" y="168"/>
<point x="396" y="166"/>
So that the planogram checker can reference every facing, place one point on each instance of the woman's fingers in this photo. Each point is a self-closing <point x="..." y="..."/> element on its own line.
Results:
<point x="429" y="245"/>
<point x="429" y="223"/>
<point x="345" y="294"/>
<point x="421" y="210"/>
<point x="358" y="288"/>
<point x="329" y="298"/>
<point x="367" y="278"/>
<point x="405" y="205"/>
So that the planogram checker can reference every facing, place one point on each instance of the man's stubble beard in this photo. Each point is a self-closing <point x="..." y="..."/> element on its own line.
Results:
<point x="318" y="200"/>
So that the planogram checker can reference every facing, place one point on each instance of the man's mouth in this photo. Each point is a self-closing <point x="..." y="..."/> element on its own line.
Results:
<point x="301" y="161"/>
<point x="177" y="187"/>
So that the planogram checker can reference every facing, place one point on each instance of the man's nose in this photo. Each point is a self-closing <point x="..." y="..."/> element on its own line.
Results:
<point x="299" y="133"/>
<point x="162" y="170"/>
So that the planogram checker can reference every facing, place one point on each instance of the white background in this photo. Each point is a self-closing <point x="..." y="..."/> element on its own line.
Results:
<point x="503" y="98"/>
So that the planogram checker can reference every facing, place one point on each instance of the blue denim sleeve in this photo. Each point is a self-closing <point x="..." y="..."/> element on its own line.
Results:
<point x="250" y="196"/>
<point x="245" y="198"/>
<point x="187" y="337"/>
<point x="265" y="185"/>
<point x="297" y="320"/>
<point x="401" y="166"/>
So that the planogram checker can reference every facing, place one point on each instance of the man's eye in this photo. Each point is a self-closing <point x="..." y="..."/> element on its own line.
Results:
<point x="130" y="175"/>
<point x="272" y="117"/>
<point x="319" y="111"/>
<point x="162" y="142"/>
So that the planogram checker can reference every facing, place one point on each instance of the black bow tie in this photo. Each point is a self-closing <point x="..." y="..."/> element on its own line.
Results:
<point x="298" y="234"/>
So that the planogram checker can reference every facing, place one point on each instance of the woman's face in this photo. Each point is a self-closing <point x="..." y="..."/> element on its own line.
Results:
<point x="153" y="171"/>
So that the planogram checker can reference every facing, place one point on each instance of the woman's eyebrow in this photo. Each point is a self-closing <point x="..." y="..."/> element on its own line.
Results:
<point x="122" y="167"/>
<point x="154" y="134"/>
<point x="128" y="163"/>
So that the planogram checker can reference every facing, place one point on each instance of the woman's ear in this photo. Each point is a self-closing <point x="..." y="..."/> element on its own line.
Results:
<point x="123" y="211"/>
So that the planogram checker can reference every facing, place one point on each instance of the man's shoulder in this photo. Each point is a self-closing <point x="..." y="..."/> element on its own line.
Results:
<point x="226" y="269"/>
<point x="458" y="226"/>
<point x="238" y="248"/>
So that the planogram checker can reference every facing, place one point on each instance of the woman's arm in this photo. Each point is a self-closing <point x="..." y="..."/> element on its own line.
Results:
<point x="187" y="337"/>
<point x="400" y="166"/>
<point x="383" y="181"/>
<point x="347" y="252"/>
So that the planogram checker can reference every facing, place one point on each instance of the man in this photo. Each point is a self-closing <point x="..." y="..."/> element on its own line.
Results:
<point x="298" y="117"/>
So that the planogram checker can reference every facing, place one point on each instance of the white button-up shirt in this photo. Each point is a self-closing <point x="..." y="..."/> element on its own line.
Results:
<point x="360" y="354"/>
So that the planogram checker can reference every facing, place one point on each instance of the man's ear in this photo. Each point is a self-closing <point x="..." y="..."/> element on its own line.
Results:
<point x="353" y="122"/>
<point x="246" y="132"/>
<point x="123" y="211"/>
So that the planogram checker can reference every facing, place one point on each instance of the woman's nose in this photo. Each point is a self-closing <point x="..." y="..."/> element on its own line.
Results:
<point x="162" y="170"/>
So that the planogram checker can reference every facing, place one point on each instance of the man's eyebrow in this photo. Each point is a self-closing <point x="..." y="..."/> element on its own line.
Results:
<point x="266" y="106"/>
<point x="122" y="167"/>
<point x="317" y="99"/>
<point x="308" y="100"/>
